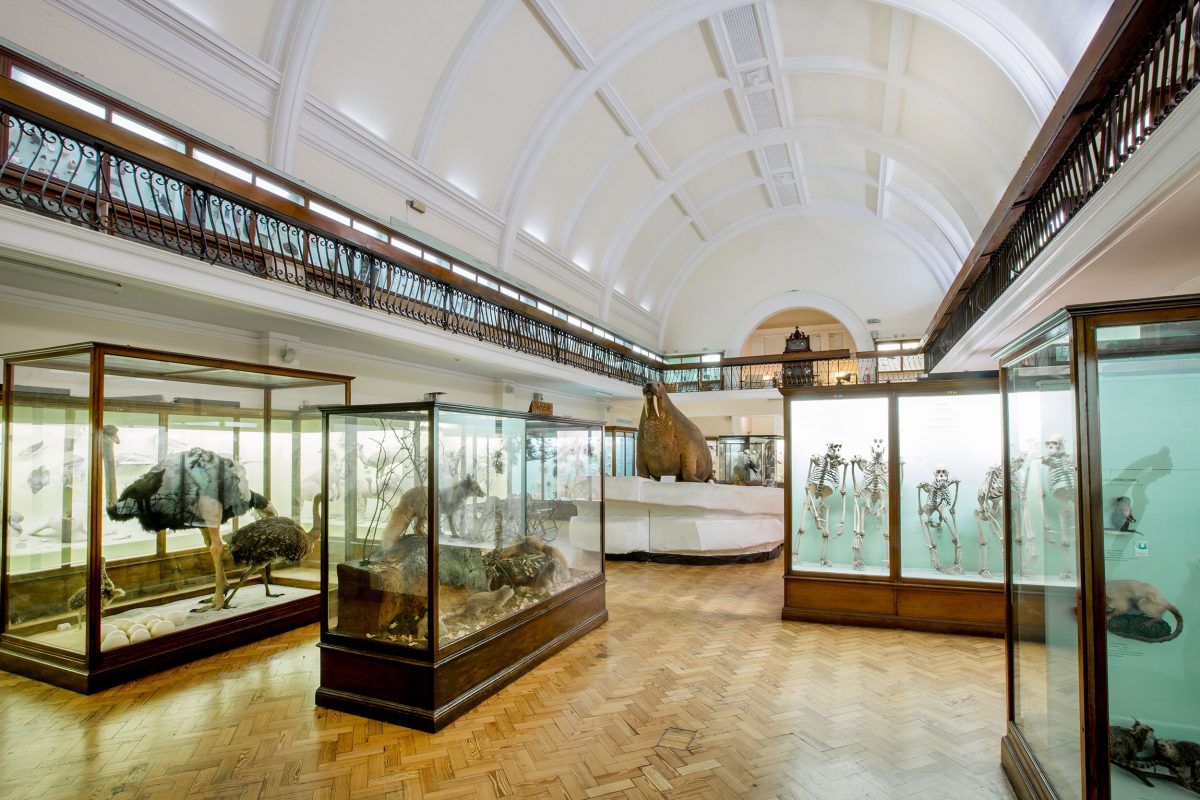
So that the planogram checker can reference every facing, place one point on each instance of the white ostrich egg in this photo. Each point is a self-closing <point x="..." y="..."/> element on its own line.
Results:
<point x="139" y="635"/>
<point x="176" y="616"/>
<point x="149" y="619"/>
<point x="114" y="640"/>
<point x="105" y="630"/>
<point x="123" y="624"/>
<point x="162" y="627"/>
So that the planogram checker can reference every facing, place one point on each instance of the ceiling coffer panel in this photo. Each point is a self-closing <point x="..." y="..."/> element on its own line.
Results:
<point x="512" y="80"/>
<point x="841" y="189"/>
<point x="846" y="28"/>
<point x="730" y="210"/>
<point x="247" y="25"/>
<point x="930" y="128"/>
<point x="408" y="43"/>
<point x="659" y="228"/>
<point x="676" y="254"/>
<point x="832" y="154"/>
<point x="598" y="21"/>
<point x="608" y="208"/>
<point x="665" y="72"/>
<point x="574" y="161"/>
<point x="722" y="176"/>
<point x="694" y="129"/>
<point x="902" y="211"/>
<point x="838" y="97"/>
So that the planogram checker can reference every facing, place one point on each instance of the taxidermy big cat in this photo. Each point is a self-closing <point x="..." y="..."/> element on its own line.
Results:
<point x="1135" y="598"/>
<point x="414" y="508"/>
<point x="1182" y="758"/>
<point x="1124" y="744"/>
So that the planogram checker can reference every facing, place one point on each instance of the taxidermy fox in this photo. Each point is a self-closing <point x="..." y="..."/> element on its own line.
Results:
<point x="413" y="509"/>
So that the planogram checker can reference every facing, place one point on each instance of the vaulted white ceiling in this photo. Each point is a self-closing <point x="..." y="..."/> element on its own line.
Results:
<point x="623" y="154"/>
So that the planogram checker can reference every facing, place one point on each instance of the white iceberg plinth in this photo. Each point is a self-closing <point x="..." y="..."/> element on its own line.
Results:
<point x="687" y="519"/>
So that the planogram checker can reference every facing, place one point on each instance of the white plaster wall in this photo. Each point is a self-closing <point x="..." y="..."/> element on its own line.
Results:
<point x="851" y="261"/>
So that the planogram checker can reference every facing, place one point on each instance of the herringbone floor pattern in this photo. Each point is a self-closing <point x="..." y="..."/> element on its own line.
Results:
<point x="694" y="689"/>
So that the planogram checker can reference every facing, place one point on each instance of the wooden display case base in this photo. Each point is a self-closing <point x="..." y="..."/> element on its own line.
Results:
<point x="953" y="608"/>
<point x="1027" y="780"/>
<point x="430" y="695"/>
<point x="118" y="666"/>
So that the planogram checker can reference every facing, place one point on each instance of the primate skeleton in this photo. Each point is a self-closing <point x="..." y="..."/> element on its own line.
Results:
<point x="935" y="509"/>
<point x="1060" y="484"/>
<point x="870" y="498"/>
<point x="988" y="514"/>
<point x="826" y="474"/>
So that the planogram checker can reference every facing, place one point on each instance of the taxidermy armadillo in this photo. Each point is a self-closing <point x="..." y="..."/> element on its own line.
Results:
<point x="487" y="601"/>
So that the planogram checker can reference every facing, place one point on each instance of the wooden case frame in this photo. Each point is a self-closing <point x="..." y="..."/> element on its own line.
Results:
<point x="892" y="600"/>
<point x="92" y="670"/>
<point x="428" y="688"/>
<point x="1081" y="322"/>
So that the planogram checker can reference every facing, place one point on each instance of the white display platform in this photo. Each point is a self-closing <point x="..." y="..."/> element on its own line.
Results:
<point x="696" y="521"/>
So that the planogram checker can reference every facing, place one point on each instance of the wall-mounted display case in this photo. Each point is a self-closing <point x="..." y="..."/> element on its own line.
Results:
<point x="133" y="480"/>
<point x="750" y="460"/>
<point x="463" y="545"/>
<point x="1103" y="678"/>
<point x="620" y="451"/>
<point x="894" y="505"/>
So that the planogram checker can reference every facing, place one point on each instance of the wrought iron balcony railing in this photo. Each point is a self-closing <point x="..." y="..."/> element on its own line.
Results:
<point x="62" y="168"/>
<point x="766" y="372"/>
<point x="1152" y="61"/>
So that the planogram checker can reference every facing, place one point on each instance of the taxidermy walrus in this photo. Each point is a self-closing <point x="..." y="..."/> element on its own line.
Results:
<point x="668" y="442"/>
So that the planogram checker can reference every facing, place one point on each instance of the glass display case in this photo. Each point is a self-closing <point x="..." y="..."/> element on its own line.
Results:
<point x="620" y="451"/>
<point x="750" y="460"/>
<point x="462" y="546"/>
<point x="1104" y="564"/>
<point x="137" y="494"/>
<point x="894" y="504"/>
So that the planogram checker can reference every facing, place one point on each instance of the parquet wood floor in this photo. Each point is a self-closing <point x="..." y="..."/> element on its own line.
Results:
<point x="694" y="689"/>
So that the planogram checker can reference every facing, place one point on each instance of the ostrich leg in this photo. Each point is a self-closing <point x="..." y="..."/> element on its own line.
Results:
<point x="210" y="510"/>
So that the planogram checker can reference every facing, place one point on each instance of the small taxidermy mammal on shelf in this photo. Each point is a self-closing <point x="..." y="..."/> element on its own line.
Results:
<point x="413" y="509"/>
<point x="1128" y="598"/>
<point x="1125" y="745"/>
<point x="1182" y="758"/>
<point x="482" y="602"/>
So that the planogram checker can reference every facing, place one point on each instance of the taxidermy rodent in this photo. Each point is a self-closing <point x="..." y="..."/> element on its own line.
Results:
<point x="487" y="601"/>
<point x="1137" y="597"/>
<point x="413" y="509"/>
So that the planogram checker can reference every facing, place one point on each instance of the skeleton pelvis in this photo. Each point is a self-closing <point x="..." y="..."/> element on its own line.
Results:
<point x="819" y="489"/>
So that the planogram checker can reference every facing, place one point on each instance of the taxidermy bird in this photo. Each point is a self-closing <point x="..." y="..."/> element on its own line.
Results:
<point x="108" y="592"/>
<point x="270" y="539"/>
<point x="193" y="489"/>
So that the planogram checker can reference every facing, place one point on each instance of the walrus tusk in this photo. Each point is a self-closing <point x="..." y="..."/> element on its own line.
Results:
<point x="654" y="404"/>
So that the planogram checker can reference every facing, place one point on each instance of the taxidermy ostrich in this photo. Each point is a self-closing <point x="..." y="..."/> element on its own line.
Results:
<point x="193" y="489"/>
<point x="271" y="539"/>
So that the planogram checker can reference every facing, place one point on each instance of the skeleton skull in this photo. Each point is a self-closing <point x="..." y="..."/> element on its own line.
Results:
<point x="1056" y="445"/>
<point x="834" y="449"/>
<point x="877" y="447"/>
<point x="941" y="476"/>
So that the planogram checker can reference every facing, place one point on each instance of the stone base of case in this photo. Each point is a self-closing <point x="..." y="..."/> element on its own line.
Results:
<point x="430" y="695"/>
<point x="965" y="609"/>
<point x="22" y="657"/>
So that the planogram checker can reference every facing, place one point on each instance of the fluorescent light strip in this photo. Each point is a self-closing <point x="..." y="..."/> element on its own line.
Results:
<point x="276" y="189"/>
<point x="58" y="93"/>
<point x="130" y="124"/>
<point x="221" y="164"/>
<point x="326" y="211"/>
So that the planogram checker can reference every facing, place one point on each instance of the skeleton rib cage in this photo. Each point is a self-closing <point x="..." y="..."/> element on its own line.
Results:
<point x="823" y="471"/>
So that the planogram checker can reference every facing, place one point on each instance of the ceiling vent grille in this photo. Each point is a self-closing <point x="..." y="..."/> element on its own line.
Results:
<point x="789" y="195"/>
<point x="777" y="157"/>
<point x="744" y="35"/>
<point x="763" y="109"/>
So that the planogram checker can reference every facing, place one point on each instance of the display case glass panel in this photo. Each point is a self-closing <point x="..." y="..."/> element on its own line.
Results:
<point x="1148" y="385"/>
<point x="378" y="524"/>
<point x="191" y="453"/>
<point x="827" y="434"/>
<point x="1045" y="647"/>
<point x="620" y="457"/>
<point x="49" y="461"/>
<point x="739" y="461"/>
<point x="951" y="487"/>
<point x="515" y="519"/>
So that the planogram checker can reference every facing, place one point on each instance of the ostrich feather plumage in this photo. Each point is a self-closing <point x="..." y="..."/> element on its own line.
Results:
<point x="270" y="539"/>
<point x="166" y="496"/>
